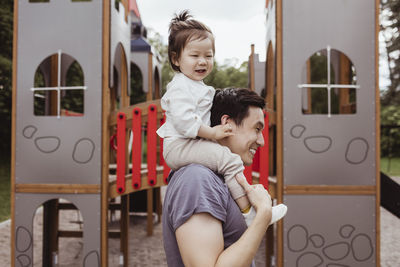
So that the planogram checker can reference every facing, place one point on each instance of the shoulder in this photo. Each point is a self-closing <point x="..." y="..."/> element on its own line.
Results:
<point x="200" y="172"/>
<point x="177" y="80"/>
<point x="195" y="180"/>
<point x="195" y="189"/>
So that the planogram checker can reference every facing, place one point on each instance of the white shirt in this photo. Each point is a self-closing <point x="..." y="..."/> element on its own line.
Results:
<point x="187" y="104"/>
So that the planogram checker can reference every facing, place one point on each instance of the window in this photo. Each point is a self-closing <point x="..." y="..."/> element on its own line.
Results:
<point x="59" y="87"/>
<point x="330" y="84"/>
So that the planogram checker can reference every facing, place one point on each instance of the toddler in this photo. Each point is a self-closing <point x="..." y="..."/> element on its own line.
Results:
<point x="188" y="138"/>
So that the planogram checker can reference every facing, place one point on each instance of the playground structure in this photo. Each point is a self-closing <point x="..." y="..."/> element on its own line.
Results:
<point x="72" y="121"/>
<point x="322" y="77"/>
<point x="62" y="151"/>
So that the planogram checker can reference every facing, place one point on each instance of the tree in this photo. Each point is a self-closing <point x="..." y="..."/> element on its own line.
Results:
<point x="390" y="29"/>
<point x="6" y="37"/>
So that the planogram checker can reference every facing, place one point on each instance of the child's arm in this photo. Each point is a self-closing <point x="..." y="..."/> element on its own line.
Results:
<point x="215" y="133"/>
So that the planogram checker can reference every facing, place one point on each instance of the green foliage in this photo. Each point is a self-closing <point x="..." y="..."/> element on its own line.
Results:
<point x="137" y="94"/>
<point x="390" y="136"/>
<point x="391" y="166"/>
<point x="225" y="75"/>
<point x="166" y="71"/>
<point x="73" y="100"/>
<point x="390" y="28"/>
<point x="4" y="191"/>
<point x="6" y="37"/>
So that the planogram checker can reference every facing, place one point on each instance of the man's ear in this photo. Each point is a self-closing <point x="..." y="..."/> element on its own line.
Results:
<point x="225" y="119"/>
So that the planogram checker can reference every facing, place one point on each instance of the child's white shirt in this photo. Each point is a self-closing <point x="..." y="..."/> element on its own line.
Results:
<point x="187" y="104"/>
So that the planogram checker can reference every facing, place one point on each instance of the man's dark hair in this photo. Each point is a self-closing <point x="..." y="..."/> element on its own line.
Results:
<point x="183" y="29"/>
<point x="235" y="103"/>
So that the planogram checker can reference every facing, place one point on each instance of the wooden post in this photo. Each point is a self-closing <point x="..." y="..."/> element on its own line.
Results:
<point x="105" y="133"/>
<point x="309" y="95"/>
<point x="150" y="77"/>
<point x="50" y="231"/>
<point x="344" y="78"/>
<point x="150" y="211"/>
<point x="377" y="137"/>
<point x="270" y="93"/>
<point x="13" y="126"/>
<point x="124" y="227"/>
<point x="53" y="94"/>
<point x="251" y="69"/>
<point x="279" y="123"/>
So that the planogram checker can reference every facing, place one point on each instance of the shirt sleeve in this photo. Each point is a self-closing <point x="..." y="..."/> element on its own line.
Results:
<point x="180" y="108"/>
<point x="198" y="191"/>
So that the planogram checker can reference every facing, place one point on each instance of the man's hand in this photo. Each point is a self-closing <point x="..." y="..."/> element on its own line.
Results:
<point x="257" y="195"/>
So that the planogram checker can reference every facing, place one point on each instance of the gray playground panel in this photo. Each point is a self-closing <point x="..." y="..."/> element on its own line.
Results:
<point x="120" y="36"/>
<point x="339" y="150"/>
<point x="320" y="230"/>
<point x="26" y="206"/>
<point x="65" y="149"/>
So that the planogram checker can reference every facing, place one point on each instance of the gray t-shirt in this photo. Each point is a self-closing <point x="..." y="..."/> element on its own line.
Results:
<point x="196" y="189"/>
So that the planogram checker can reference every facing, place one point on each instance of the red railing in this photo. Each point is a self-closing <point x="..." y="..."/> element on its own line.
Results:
<point x="260" y="164"/>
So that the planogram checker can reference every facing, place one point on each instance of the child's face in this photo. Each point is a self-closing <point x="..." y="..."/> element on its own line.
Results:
<point x="197" y="59"/>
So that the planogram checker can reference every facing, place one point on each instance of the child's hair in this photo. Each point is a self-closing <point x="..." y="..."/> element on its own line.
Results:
<point x="182" y="29"/>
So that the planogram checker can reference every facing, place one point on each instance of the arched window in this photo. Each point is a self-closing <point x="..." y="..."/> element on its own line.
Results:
<point x="59" y="87"/>
<point x="137" y="93"/>
<point x="329" y="84"/>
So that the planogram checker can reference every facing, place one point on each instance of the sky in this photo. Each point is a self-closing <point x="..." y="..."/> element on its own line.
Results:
<point x="236" y="24"/>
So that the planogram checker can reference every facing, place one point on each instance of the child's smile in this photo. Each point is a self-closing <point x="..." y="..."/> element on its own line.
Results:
<point x="197" y="59"/>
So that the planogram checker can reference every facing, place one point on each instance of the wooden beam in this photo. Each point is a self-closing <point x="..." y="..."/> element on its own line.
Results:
<point x="149" y="96"/>
<point x="105" y="131"/>
<point x="377" y="138"/>
<point x="112" y="192"/>
<point x="279" y="124"/>
<point x="149" y="212"/>
<point x="251" y="69"/>
<point x="330" y="190"/>
<point x="58" y="188"/>
<point x="13" y="131"/>
<point x="124" y="226"/>
<point x="68" y="234"/>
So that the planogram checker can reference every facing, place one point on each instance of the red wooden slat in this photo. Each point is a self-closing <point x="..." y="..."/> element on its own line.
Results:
<point x="264" y="156"/>
<point x="136" y="147"/>
<point x="152" y="145"/>
<point x="121" y="152"/>
<point x="166" y="169"/>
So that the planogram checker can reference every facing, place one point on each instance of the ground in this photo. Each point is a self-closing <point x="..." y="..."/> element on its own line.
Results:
<point x="148" y="251"/>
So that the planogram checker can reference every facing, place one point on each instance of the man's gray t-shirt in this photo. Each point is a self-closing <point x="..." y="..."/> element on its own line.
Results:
<point x="196" y="189"/>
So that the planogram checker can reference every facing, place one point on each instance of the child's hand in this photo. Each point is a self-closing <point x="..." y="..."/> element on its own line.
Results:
<point x="222" y="131"/>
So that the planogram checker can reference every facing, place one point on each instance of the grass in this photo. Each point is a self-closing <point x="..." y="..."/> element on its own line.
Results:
<point x="4" y="191"/>
<point x="391" y="167"/>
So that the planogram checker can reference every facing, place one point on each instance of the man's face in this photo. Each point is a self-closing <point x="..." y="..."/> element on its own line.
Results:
<point x="248" y="136"/>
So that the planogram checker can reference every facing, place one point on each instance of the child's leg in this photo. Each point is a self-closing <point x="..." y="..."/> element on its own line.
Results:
<point x="218" y="158"/>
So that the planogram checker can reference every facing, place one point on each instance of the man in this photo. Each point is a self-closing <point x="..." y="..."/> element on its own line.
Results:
<point x="202" y="225"/>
